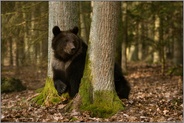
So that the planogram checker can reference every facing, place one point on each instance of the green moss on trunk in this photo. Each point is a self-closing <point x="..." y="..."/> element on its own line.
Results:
<point x="48" y="95"/>
<point x="105" y="104"/>
<point x="85" y="90"/>
<point x="100" y="103"/>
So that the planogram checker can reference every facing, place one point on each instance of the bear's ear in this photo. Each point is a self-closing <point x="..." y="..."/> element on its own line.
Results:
<point x="56" y="30"/>
<point x="75" y="30"/>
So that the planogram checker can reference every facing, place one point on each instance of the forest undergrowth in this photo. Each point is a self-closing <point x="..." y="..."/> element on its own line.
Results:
<point x="153" y="98"/>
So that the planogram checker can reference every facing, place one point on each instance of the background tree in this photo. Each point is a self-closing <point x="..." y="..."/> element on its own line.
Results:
<point x="125" y="37"/>
<point x="85" y="20"/>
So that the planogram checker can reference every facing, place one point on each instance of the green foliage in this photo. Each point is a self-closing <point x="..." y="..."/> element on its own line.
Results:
<point x="11" y="85"/>
<point x="48" y="95"/>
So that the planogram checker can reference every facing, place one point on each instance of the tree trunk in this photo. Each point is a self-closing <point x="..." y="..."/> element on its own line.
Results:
<point x="64" y="15"/>
<point x="85" y="20"/>
<point x="178" y="56"/>
<point x="34" y="50"/>
<point x="102" y="40"/>
<point x="140" y="40"/>
<point x="178" y="41"/>
<point x="44" y="25"/>
<point x="162" y="47"/>
<point x="125" y="38"/>
<point x="132" y="53"/>
<point x="97" y="91"/>
<point x="11" y="51"/>
<point x="83" y="32"/>
<point x="148" y="56"/>
<point x="156" y="57"/>
<point x="25" y="44"/>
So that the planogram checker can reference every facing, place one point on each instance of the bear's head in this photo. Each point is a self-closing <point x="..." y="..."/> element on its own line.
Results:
<point x="66" y="44"/>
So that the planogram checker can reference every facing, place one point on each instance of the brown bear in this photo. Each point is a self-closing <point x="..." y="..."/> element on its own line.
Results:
<point x="69" y="61"/>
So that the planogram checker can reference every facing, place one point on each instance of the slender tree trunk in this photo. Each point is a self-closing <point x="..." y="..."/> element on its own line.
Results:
<point x="85" y="20"/>
<point x="83" y="32"/>
<point x="35" y="45"/>
<point x="156" y="57"/>
<point x="44" y="42"/>
<point x="145" y="31"/>
<point x="25" y="43"/>
<point x="20" y="40"/>
<point x="132" y="53"/>
<point x="178" y="41"/>
<point x="11" y="51"/>
<point x="17" y="54"/>
<point x="140" y="41"/>
<point x="162" y="47"/>
<point x="150" y="33"/>
<point x="178" y="56"/>
<point x="125" y="38"/>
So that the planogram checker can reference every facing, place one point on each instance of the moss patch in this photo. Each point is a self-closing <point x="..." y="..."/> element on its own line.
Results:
<point x="176" y="70"/>
<point x="11" y="85"/>
<point x="85" y="90"/>
<point x="48" y="95"/>
<point x="105" y="104"/>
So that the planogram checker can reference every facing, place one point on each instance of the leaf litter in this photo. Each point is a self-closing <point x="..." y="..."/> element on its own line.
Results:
<point x="153" y="98"/>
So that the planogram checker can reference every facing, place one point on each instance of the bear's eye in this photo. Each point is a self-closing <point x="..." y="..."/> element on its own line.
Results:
<point x="74" y="41"/>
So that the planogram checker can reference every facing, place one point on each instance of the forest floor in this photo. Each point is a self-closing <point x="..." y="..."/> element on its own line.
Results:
<point x="153" y="98"/>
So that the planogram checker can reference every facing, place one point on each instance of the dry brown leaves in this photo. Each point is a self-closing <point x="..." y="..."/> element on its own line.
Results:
<point x="153" y="98"/>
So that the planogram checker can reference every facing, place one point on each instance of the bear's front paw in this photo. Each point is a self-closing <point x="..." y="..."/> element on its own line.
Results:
<point x="62" y="88"/>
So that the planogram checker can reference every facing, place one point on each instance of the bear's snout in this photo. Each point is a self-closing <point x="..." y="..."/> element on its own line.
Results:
<point x="73" y="49"/>
<point x="70" y="48"/>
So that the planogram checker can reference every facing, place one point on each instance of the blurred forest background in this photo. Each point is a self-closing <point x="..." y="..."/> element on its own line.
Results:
<point x="150" y="32"/>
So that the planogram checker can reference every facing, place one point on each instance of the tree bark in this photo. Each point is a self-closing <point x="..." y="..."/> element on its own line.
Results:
<point x="156" y="57"/>
<point x="97" y="90"/>
<point x="125" y="38"/>
<point x="102" y="40"/>
<point x="83" y="22"/>
<point x="11" y="51"/>
<point x="140" y="41"/>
